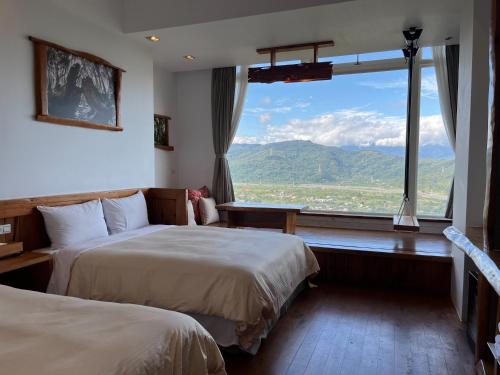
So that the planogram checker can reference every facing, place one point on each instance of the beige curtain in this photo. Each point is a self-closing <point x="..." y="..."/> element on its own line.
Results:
<point x="446" y="64"/>
<point x="223" y="131"/>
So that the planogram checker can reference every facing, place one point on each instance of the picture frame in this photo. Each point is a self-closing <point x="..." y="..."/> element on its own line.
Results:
<point x="76" y="88"/>
<point x="161" y="132"/>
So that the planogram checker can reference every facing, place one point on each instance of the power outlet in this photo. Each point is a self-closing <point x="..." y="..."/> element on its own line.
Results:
<point x="5" y="229"/>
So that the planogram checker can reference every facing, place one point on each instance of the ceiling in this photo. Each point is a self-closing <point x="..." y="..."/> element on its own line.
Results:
<point x="355" y="26"/>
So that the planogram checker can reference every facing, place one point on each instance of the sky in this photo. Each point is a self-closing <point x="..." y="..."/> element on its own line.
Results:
<point x="366" y="109"/>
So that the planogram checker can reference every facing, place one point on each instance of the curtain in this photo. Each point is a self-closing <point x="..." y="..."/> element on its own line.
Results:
<point x="446" y="64"/>
<point x="241" y="93"/>
<point x="228" y="96"/>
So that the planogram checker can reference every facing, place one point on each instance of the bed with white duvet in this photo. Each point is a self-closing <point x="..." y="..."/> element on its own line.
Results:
<point x="51" y="335"/>
<point x="233" y="281"/>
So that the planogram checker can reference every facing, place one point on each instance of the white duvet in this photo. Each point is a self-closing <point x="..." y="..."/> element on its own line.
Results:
<point x="240" y="275"/>
<point x="51" y="335"/>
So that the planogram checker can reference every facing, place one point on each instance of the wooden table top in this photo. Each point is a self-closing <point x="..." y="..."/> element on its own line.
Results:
<point x="27" y="258"/>
<point x="260" y="207"/>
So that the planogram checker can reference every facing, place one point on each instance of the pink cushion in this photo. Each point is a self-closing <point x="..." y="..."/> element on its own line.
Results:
<point x="194" y="196"/>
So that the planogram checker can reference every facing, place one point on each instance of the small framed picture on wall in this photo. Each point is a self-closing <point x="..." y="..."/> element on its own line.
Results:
<point x="162" y="140"/>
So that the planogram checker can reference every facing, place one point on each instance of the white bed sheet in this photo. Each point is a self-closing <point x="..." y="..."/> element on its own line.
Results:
<point x="52" y="335"/>
<point x="64" y="258"/>
<point x="223" y="330"/>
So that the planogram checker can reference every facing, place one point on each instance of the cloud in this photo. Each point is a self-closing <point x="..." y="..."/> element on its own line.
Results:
<point x="273" y="110"/>
<point x="353" y="127"/>
<point x="245" y="139"/>
<point x="266" y="100"/>
<point x="302" y="105"/>
<point x="382" y="85"/>
<point x="265" y="118"/>
<point x="428" y="88"/>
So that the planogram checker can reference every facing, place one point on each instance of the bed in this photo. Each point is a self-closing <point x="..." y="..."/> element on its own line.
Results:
<point x="49" y="334"/>
<point x="234" y="282"/>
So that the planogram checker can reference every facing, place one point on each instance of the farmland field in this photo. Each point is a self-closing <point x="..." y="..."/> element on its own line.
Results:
<point x="338" y="197"/>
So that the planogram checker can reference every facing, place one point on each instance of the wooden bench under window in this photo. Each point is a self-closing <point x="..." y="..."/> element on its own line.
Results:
<point x="262" y="215"/>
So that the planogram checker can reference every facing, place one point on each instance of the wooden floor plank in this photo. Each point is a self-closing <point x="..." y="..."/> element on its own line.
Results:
<point x="337" y="329"/>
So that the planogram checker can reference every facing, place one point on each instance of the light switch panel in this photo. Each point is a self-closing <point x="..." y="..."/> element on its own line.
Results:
<point x="5" y="229"/>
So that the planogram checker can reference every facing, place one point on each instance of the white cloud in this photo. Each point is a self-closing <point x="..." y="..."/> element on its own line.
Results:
<point x="381" y="85"/>
<point x="265" y="118"/>
<point x="302" y="105"/>
<point x="274" y="110"/>
<point x="429" y="87"/>
<point x="266" y="100"/>
<point x="245" y="139"/>
<point x="353" y="127"/>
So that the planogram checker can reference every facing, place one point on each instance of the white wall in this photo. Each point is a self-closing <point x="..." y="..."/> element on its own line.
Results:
<point x="195" y="151"/>
<point x="42" y="159"/>
<point x="472" y="125"/>
<point x="165" y="103"/>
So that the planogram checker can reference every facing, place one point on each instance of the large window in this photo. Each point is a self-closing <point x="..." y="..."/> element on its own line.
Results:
<point x="333" y="145"/>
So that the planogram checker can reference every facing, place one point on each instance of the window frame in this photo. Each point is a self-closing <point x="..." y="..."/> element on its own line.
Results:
<point x="372" y="66"/>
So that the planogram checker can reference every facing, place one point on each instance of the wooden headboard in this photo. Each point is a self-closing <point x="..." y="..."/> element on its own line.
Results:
<point x="165" y="206"/>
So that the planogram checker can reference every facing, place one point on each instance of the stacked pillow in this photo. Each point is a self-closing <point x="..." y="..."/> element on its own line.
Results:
<point x="73" y="224"/>
<point x="128" y="213"/>
<point x="70" y="225"/>
<point x="208" y="212"/>
<point x="204" y="207"/>
<point x="194" y="195"/>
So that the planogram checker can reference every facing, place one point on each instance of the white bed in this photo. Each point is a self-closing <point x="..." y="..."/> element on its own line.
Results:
<point x="50" y="335"/>
<point x="234" y="282"/>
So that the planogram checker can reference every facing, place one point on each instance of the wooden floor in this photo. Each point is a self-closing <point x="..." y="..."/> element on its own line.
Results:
<point x="347" y="330"/>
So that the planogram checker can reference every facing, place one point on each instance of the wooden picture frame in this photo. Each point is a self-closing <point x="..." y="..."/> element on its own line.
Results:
<point x="161" y="132"/>
<point x="76" y="88"/>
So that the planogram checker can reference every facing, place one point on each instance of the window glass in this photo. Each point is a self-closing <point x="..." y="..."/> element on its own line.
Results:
<point x="331" y="145"/>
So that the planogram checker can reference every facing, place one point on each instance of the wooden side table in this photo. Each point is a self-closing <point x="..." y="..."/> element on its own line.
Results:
<point x="30" y="270"/>
<point x="262" y="215"/>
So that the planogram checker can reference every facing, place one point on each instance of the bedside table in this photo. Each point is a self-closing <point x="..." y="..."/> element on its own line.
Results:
<point x="29" y="270"/>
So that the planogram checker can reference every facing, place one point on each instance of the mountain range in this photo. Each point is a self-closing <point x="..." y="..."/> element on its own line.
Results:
<point x="305" y="162"/>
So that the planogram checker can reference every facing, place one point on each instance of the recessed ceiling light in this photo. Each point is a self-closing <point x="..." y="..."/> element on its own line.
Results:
<point x="153" y="38"/>
<point x="189" y="57"/>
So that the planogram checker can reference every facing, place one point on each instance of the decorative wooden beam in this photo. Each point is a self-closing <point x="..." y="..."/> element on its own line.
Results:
<point x="296" y="47"/>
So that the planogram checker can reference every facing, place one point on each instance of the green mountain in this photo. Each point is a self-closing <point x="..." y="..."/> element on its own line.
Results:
<point x="304" y="162"/>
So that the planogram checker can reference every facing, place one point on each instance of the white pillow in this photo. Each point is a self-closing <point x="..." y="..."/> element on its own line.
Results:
<point x="128" y="213"/>
<point x="190" y="209"/>
<point x="69" y="225"/>
<point x="208" y="212"/>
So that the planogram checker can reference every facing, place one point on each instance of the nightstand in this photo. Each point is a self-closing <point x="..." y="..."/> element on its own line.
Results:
<point x="28" y="270"/>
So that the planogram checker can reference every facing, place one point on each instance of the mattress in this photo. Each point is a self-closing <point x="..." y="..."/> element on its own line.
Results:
<point x="241" y="276"/>
<point x="49" y="334"/>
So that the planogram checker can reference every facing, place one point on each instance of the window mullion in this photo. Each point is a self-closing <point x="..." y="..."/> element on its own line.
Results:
<point x="414" y="135"/>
